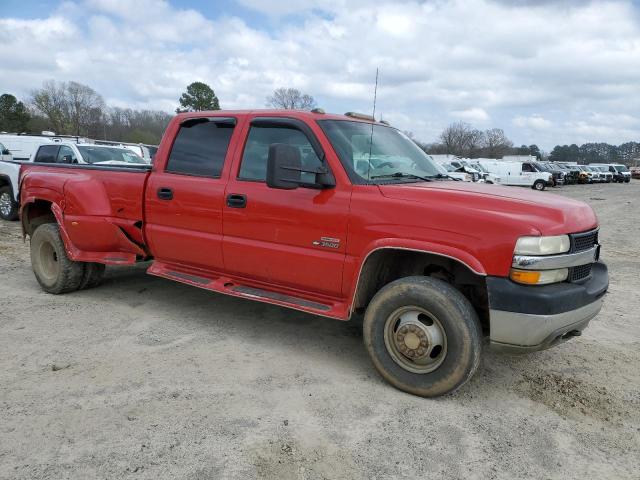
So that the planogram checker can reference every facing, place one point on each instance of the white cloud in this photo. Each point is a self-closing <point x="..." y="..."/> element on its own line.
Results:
<point x="535" y="122"/>
<point x="546" y="73"/>
<point x="471" y="115"/>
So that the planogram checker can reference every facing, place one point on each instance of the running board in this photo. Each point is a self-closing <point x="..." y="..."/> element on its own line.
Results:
<point x="301" y="302"/>
<point x="228" y="286"/>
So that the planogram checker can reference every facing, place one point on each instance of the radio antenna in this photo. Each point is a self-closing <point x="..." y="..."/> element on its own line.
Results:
<point x="373" y="116"/>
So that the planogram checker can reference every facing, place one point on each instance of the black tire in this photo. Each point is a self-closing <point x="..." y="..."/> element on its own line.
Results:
<point x="539" y="185"/>
<point x="457" y="319"/>
<point x="55" y="272"/>
<point x="8" y="205"/>
<point x="627" y="180"/>
<point x="93" y="274"/>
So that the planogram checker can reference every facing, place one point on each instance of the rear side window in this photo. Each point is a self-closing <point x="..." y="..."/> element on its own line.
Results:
<point x="200" y="147"/>
<point x="47" y="154"/>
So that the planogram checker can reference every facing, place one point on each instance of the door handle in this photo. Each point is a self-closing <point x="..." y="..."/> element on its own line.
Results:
<point x="165" y="193"/>
<point x="236" y="200"/>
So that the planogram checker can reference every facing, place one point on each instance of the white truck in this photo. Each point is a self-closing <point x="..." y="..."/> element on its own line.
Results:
<point x="524" y="174"/>
<point x="619" y="172"/>
<point x="58" y="152"/>
<point x="17" y="149"/>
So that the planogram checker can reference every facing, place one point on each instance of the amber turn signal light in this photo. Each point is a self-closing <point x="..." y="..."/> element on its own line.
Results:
<point x="523" y="276"/>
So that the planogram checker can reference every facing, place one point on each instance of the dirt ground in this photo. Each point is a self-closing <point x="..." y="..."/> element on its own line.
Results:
<point x="146" y="378"/>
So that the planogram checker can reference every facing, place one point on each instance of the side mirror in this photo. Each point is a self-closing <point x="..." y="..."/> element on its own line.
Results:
<point x="6" y="152"/>
<point x="283" y="166"/>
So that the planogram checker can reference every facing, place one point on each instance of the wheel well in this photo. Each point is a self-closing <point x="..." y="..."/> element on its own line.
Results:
<point x="386" y="265"/>
<point x="4" y="181"/>
<point x="35" y="214"/>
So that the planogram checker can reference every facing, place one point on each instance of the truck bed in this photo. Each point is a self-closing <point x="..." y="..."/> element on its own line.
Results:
<point x="99" y="208"/>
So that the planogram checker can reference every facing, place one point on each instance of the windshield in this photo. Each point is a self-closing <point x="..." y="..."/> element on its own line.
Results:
<point x="388" y="155"/>
<point x="109" y="154"/>
<point x="621" y="168"/>
<point x="602" y="169"/>
<point x="541" y="167"/>
<point x="479" y="167"/>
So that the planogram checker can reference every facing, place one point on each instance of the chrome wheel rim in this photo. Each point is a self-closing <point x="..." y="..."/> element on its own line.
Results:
<point x="415" y="339"/>
<point x="5" y="204"/>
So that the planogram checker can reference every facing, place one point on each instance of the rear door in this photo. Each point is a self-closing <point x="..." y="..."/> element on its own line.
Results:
<point x="184" y="201"/>
<point x="293" y="238"/>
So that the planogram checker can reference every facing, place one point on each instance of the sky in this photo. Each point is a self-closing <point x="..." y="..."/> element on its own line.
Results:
<point x="546" y="72"/>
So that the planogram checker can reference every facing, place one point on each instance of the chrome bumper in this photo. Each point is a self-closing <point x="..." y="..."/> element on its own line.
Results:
<point x="515" y="332"/>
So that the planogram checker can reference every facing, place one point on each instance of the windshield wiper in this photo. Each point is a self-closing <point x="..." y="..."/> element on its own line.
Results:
<point x="442" y="175"/>
<point x="404" y="175"/>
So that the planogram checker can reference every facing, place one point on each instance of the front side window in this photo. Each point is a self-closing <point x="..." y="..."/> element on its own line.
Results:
<point x="200" y="147"/>
<point x="256" y="151"/>
<point x="47" y="154"/>
<point x="378" y="153"/>
<point x="66" y="151"/>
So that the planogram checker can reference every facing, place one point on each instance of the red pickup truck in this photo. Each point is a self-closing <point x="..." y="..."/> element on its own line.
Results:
<point x="335" y="215"/>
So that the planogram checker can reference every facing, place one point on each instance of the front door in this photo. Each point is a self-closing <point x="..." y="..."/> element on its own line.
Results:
<point x="183" y="203"/>
<point x="291" y="238"/>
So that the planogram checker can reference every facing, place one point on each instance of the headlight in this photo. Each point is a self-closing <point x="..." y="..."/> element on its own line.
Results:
<point x="539" y="277"/>
<point x="542" y="245"/>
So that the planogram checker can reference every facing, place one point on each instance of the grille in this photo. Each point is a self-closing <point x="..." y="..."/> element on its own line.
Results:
<point x="579" y="243"/>
<point x="583" y="241"/>
<point x="579" y="273"/>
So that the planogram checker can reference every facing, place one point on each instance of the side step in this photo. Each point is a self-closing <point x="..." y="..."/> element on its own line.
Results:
<point x="257" y="292"/>
<point x="228" y="286"/>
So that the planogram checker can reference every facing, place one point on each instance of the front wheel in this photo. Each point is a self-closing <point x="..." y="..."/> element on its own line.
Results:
<point x="539" y="185"/>
<point x="423" y="336"/>
<point x="8" y="206"/>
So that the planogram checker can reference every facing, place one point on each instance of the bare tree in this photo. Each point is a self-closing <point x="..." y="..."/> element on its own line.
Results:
<point x="461" y="139"/>
<point x="496" y="144"/>
<point x="85" y="105"/>
<point x="70" y="107"/>
<point x="50" y="101"/>
<point x="290" y="99"/>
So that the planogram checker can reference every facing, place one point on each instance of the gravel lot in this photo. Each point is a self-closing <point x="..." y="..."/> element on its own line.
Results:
<point x="146" y="378"/>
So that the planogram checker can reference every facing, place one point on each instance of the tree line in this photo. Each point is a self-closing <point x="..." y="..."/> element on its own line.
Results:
<point x="71" y="108"/>
<point x="596" y="153"/>
<point x="463" y="140"/>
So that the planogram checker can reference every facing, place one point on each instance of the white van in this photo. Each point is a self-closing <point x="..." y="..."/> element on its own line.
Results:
<point x="23" y="146"/>
<point x="524" y="174"/>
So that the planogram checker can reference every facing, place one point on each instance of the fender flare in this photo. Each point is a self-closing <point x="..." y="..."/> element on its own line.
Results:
<point x="446" y="251"/>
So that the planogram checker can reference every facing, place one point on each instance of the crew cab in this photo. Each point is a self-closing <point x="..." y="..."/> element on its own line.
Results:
<point x="335" y="215"/>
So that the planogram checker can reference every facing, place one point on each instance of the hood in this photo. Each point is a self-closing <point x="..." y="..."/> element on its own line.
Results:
<point x="542" y="212"/>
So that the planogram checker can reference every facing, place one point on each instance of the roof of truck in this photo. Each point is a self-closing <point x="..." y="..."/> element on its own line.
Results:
<point x="300" y="114"/>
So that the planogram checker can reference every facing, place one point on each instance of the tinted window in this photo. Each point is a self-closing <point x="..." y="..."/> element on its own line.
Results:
<point x="66" y="151"/>
<point x="526" y="167"/>
<point x="256" y="151"/>
<point x="200" y="147"/>
<point x="47" y="154"/>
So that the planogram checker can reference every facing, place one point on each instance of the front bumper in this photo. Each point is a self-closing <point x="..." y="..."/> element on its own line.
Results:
<point x="529" y="318"/>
